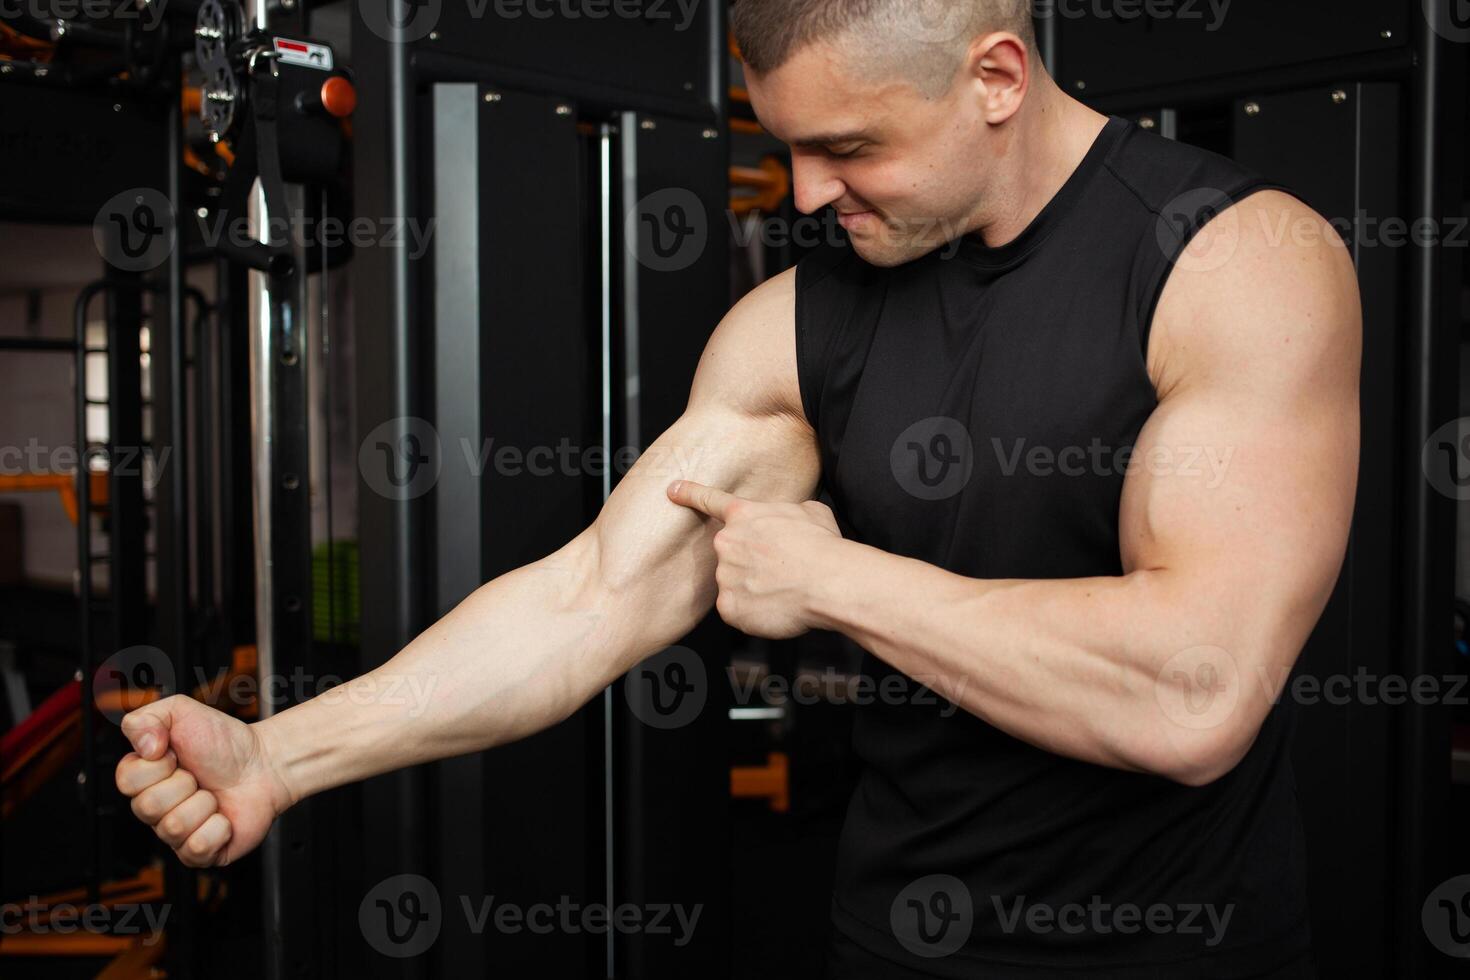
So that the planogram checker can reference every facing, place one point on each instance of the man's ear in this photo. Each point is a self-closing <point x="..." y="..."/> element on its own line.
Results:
<point x="1000" y="64"/>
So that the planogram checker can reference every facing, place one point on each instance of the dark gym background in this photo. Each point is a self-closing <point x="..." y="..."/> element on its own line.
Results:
<point x="521" y="145"/>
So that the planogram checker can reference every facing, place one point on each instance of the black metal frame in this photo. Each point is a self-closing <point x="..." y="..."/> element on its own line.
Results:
<point x="400" y="565"/>
<point x="126" y="557"/>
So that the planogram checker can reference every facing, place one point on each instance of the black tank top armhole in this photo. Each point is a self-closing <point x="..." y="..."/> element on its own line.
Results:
<point x="812" y="337"/>
<point x="1192" y="224"/>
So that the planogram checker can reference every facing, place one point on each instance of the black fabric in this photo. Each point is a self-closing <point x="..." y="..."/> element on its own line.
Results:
<point x="846" y="960"/>
<point x="1040" y="343"/>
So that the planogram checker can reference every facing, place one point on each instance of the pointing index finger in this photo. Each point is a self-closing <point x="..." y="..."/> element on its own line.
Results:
<point x="706" y="500"/>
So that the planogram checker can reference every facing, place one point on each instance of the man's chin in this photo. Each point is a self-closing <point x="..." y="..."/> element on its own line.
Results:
<point x="885" y="256"/>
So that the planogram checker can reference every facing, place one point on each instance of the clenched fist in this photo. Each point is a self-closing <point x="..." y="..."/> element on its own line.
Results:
<point x="201" y="779"/>
<point x="769" y="554"/>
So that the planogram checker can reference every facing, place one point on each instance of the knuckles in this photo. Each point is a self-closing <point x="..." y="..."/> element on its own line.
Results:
<point x="132" y="770"/>
<point x="143" y="811"/>
<point x="171" y="828"/>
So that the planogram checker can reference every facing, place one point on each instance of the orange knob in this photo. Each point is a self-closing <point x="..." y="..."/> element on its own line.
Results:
<point x="339" y="98"/>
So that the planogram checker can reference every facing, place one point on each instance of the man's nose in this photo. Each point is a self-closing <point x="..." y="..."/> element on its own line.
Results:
<point x="814" y="184"/>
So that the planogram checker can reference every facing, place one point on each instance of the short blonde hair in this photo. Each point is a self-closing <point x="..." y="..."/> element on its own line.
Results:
<point x="923" y="40"/>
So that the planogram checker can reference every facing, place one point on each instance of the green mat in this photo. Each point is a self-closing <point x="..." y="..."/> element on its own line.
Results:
<point x="336" y="611"/>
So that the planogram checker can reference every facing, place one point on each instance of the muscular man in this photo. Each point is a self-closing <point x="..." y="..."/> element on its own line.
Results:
<point x="1085" y="403"/>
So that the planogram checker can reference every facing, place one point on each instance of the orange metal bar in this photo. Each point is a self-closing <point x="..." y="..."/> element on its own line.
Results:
<point x="51" y="754"/>
<point x="146" y="885"/>
<point x="243" y="664"/>
<point x="769" y="174"/>
<point x="63" y="483"/>
<point x="15" y="45"/>
<point x="77" y="943"/>
<point x="189" y="103"/>
<point x="192" y="161"/>
<point x="771" y="180"/>
<point x="771" y="781"/>
<point x="738" y="94"/>
<point x="138" y="962"/>
<point x="211" y="692"/>
<point x="40" y="766"/>
<point x="747" y="126"/>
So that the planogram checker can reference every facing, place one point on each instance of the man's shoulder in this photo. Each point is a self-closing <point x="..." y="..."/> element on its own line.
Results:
<point x="749" y="362"/>
<point x="1268" y="283"/>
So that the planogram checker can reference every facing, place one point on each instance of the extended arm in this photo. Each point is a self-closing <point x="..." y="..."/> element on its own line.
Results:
<point x="522" y="652"/>
<point x="1171" y="667"/>
<point x="532" y="646"/>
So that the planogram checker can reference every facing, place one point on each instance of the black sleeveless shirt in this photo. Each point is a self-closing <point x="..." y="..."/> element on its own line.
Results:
<point x="975" y="409"/>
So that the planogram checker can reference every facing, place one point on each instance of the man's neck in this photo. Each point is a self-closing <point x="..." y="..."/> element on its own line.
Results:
<point x="1051" y="136"/>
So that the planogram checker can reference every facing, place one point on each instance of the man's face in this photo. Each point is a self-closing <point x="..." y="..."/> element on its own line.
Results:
<point x="903" y="172"/>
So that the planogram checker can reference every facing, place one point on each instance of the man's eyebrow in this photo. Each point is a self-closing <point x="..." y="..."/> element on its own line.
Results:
<point x="830" y="139"/>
